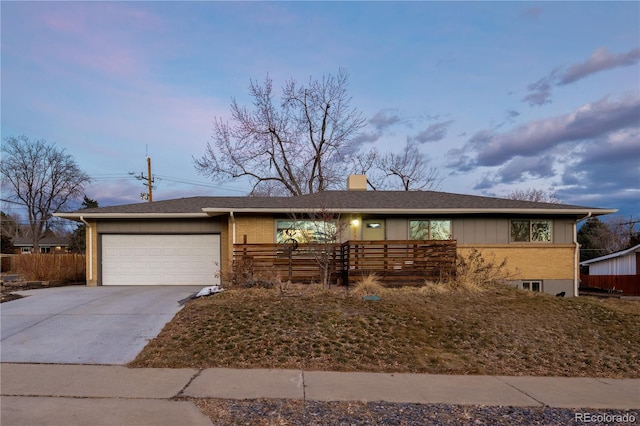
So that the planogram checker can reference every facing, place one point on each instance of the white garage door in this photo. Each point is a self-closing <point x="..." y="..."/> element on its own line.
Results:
<point x="160" y="259"/>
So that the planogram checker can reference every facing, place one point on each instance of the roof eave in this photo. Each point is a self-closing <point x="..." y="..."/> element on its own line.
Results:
<point x="467" y="211"/>
<point x="621" y="253"/>
<point x="79" y="216"/>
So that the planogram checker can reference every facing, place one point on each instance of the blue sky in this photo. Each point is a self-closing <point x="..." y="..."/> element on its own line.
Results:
<point x="500" y="95"/>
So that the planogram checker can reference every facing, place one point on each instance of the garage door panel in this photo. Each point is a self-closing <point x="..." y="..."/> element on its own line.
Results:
<point x="160" y="259"/>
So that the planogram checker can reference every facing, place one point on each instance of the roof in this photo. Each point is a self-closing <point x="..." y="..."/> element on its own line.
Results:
<point x="384" y="202"/>
<point x="612" y="255"/>
<point x="46" y="241"/>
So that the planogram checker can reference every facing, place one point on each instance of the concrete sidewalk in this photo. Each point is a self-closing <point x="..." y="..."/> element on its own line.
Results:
<point x="46" y="394"/>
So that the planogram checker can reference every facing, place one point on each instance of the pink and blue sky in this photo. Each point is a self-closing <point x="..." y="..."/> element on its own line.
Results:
<point x="500" y="95"/>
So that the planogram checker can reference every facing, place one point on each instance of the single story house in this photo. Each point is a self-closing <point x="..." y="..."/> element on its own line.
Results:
<point x="24" y="245"/>
<point x="192" y="240"/>
<point x="618" y="272"/>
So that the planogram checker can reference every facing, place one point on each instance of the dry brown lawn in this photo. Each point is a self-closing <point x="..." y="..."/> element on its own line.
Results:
<point x="498" y="331"/>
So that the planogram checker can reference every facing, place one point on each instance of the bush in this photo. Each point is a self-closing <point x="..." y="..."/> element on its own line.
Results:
<point x="243" y="275"/>
<point x="474" y="273"/>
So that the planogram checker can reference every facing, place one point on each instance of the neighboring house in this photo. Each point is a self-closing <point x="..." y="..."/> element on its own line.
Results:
<point x="618" y="272"/>
<point x="191" y="240"/>
<point x="23" y="245"/>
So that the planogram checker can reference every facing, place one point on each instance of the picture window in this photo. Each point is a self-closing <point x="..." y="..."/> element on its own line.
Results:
<point x="306" y="231"/>
<point x="531" y="231"/>
<point x="430" y="229"/>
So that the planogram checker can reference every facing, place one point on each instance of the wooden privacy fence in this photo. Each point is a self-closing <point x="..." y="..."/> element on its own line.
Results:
<point x="628" y="285"/>
<point x="399" y="262"/>
<point x="49" y="267"/>
<point x="302" y="263"/>
<point x="396" y="262"/>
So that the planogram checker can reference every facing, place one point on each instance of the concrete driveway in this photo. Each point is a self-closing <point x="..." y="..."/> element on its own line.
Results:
<point x="86" y="325"/>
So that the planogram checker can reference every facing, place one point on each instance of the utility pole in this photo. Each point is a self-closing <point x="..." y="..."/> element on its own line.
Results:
<point x="149" y="179"/>
<point x="149" y="182"/>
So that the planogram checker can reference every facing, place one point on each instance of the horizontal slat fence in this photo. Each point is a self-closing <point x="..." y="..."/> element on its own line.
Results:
<point x="273" y="260"/>
<point x="628" y="285"/>
<point x="395" y="262"/>
<point x="399" y="262"/>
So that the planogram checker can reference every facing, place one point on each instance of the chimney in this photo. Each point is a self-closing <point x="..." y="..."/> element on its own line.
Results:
<point x="357" y="183"/>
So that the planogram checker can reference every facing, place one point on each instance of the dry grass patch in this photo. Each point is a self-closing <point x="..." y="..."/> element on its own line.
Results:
<point x="498" y="331"/>
<point x="368" y="285"/>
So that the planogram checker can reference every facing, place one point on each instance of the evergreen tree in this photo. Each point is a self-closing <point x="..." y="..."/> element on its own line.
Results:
<point x="78" y="241"/>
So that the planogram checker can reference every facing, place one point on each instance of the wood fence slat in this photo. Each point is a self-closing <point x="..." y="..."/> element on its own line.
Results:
<point x="395" y="261"/>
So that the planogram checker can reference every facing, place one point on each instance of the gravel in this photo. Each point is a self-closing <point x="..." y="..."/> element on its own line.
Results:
<point x="295" y="412"/>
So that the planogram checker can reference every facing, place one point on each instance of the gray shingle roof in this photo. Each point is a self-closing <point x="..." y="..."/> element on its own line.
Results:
<point x="384" y="201"/>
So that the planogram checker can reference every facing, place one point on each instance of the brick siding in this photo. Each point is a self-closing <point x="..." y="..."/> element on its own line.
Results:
<point x="531" y="261"/>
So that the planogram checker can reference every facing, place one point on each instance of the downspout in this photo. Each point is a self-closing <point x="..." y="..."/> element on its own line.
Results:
<point x="88" y="227"/>
<point x="233" y="235"/>
<point x="576" y="258"/>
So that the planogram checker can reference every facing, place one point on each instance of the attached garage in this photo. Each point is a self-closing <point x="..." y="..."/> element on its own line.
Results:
<point x="160" y="259"/>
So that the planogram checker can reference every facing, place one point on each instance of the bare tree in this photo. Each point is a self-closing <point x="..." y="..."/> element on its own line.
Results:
<point x="303" y="145"/>
<point x="42" y="177"/>
<point x="533" y="194"/>
<point x="319" y="231"/>
<point x="407" y="170"/>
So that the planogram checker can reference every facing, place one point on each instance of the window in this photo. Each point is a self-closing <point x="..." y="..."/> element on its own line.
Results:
<point x="532" y="285"/>
<point x="438" y="229"/>
<point x="530" y="231"/>
<point x="306" y="231"/>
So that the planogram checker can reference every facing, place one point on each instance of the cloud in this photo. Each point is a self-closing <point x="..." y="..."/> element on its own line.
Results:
<point x="589" y="121"/>
<point x="384" y="119"/>
<point x="523" y="168"/>
<point x="512" y="114"/>
<point x="589" y="157"/>
<point x="381" y="122"/>
<point x="366" y="137"/>
<point x="599" y="60"/>
<point x="518" y="170"/>
<point x="540" y="91"/>
<point x="603" y="170"/>
<point x="435" y="132"/>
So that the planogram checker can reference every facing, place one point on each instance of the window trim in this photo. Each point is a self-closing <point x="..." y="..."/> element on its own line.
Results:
<point x="301" y="231"/>
<point x="530" y="232"/>
<point x="529" y="284"/>
<point x="429" y="231"/>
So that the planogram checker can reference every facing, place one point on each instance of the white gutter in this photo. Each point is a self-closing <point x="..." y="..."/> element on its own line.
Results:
<point x="88" y="227"/>
<point x="576" y="257"/>
<point x="78" y="216"/>
<point x="288" y="210"/>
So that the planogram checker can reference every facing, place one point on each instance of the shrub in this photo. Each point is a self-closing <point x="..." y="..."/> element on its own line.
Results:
<point x="368" y="285"/>
<point x="243" y="275"/>
<point x="474" y="273"/>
